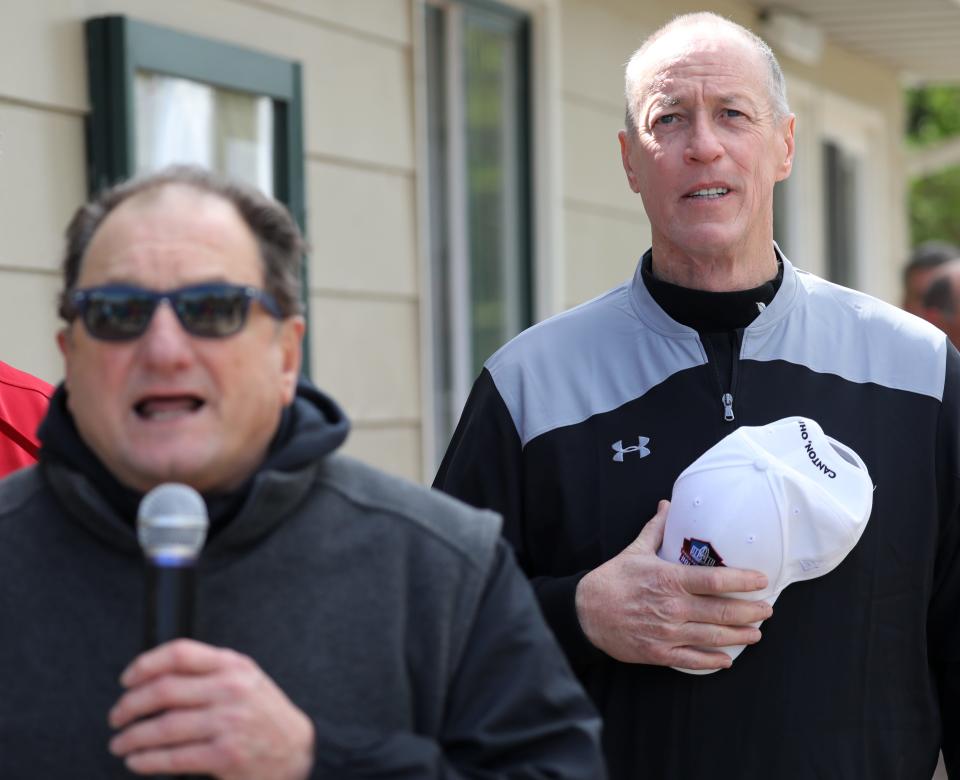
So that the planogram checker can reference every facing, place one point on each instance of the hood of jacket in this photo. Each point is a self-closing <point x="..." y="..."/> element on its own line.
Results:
<point x="311" y="428"/>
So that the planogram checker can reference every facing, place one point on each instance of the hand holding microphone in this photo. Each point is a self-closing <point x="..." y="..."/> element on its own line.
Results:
<point x="171" y="529"/>
<point x="191" y="708"/>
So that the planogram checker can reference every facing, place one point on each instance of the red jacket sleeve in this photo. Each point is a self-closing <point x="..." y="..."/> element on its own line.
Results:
<point x="23" y="404"/>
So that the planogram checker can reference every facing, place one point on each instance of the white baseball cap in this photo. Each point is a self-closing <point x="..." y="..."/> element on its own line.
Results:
<point x="784" y="499"/>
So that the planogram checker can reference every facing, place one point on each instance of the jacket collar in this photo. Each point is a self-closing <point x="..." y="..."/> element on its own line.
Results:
<point x="272" y="497"/>
<point x="312" y="428"/>
<point x="654" y="317"/>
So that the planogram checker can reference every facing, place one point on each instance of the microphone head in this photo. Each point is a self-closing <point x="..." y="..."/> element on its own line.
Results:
<point x="172" y="523"/>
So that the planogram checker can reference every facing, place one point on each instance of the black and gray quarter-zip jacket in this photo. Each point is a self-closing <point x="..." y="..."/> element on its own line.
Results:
<point x="580" y="425"/>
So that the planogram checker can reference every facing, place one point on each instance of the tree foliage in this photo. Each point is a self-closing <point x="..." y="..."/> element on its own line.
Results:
<point x="935" y="207"/>
<point x="933" y="116"/>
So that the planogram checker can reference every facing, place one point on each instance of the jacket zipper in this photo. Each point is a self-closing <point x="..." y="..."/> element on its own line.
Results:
<point x="726" y="394"/>
<point x="727" y="400"/>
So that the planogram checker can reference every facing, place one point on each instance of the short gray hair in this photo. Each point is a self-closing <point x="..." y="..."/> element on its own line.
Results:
<point x="281" y="244"/>
<point x="776" y="82"/>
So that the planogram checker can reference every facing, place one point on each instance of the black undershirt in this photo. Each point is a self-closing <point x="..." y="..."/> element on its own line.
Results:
<point x="719" y="317"/>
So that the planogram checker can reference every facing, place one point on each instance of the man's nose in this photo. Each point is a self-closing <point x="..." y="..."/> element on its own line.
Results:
<point x="703" y="143"/>
<point x="165" y="343"/>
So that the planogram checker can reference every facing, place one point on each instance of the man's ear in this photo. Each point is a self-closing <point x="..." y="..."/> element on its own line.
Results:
<point x="63" y="341"/>
<point x="789" y="126"/>
<point x="626" y="147"/>
<point x="290" y="335"/>
<point x="65" y="345"/>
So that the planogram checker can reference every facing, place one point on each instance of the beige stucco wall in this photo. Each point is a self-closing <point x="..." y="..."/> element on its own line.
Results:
<point x="359" y="131"/>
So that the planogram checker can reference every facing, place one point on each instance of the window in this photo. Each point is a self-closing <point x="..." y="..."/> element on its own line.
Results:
<point x="159" y="97"/>
<point x="840" y="217"/>
<point x="781" y="215"/>
<point x="183" y="121"/>
<point x="479" y="181"/>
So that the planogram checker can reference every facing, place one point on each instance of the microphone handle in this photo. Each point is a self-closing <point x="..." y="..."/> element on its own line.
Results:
<point x="170" y="594"/>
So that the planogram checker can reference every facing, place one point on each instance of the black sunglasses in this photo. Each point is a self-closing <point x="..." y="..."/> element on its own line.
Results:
<point x="123" y="313"/>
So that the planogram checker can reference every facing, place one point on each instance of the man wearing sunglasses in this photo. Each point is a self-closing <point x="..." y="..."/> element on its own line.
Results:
<point x="349" y="624"/>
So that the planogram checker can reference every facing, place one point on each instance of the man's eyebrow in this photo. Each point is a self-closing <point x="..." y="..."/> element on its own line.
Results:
<point x="733" y="99"/>
<point x="729" y="100"/>
<point x="668" y="101"/>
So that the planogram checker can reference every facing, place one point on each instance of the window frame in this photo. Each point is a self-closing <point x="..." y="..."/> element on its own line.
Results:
<point x="452" y="353"/>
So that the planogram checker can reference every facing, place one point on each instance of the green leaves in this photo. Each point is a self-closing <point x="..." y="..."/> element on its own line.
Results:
<point x="933" y="114"/>
<point x="933" y="117"/>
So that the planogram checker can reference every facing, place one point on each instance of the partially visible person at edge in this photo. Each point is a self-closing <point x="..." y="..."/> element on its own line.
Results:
<point x="349" y="624"/>
<point x="23" y="402"/>
<point x="576" y="430"/>
<point x="924" y="263"/>
<point x="940" y="304"/>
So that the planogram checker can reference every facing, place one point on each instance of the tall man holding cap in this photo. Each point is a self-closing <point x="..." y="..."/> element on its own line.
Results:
<point x="576" y="430"/>
<point x="353" y="625"/>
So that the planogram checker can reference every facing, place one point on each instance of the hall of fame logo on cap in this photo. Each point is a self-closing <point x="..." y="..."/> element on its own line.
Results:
<point x="695" y="552"/>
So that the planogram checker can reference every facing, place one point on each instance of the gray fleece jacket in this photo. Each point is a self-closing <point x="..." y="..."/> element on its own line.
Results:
<point x="392" y="615"/>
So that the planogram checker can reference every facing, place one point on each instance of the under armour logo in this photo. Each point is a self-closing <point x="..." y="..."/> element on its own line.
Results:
<point x="640" y="447"/>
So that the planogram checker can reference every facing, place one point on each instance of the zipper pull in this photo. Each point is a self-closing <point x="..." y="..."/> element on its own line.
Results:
<point x="727" y="400"/>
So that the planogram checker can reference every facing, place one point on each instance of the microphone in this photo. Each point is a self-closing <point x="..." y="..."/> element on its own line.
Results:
<point x="171" y="528"/>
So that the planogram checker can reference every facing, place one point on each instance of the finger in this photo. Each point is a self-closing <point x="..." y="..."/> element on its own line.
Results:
<point x="651" y="535"/>
<point x="166" y="730"/>
<point x="199" y="758"/>
<point x="725" y="611"/>
<point x="707" y="635"/>
<point x="713" y="580"/>
<point x="170" y="692"/>
<point x="184" y="656"/>
<point x="693" y="658"/>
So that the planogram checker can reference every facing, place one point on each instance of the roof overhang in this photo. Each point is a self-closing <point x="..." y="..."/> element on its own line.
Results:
<point x="919" y="39"/>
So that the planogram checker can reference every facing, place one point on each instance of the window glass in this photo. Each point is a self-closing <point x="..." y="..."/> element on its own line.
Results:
<point x="840" y="181"/>
<point x="499" y="297"/>
<point x="781" y="215"/>
<point x="182" y="121"/>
